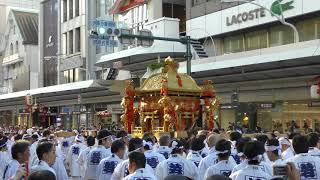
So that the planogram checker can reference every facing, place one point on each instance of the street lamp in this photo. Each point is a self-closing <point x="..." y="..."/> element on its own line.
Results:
<point x="280" y="18"/>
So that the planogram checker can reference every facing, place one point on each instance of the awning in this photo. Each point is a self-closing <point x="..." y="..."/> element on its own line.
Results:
<point x="140" y="54"/>
<point x="122" y="6"/>
<point x="54" y="89"/>
<point x="84" y="92"/>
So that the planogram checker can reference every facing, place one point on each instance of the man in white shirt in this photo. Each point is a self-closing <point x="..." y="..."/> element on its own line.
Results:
<point x="308" y="165"/>
<point x="107" y="165"/>
<point x="286" y="148"/>
<point x="46" y="152"/>
<point x="20" y="156"/>
<point x="273" y="151"/>
<point x="153" y="157"/>
<point x="314" y="144"/>
<point x="194" y="156"/>
<point x="176" y="164"/>
<point x="98" y="153"/>
<point x="122" y="169"/>
<point x="73" y="155"/>
<point x="4" y="156"/>
<point x="82" y="159"/>
<point x="254" y="151"/>
<point x="163" y="148"/>
<point x="137" y="168"/>
<point x="224" y="166"/>
<point x="212" y="157"/>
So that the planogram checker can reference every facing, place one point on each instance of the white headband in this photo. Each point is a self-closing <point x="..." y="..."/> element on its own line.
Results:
<point x="222" y="152"/>
<point x="175" y="144"/>
<point x="258" y="158"/>
<point x="273" y="148"/>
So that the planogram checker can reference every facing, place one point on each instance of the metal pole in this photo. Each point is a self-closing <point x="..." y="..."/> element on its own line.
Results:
<point x="188" y="55"/>
<point x="59" y="42"/>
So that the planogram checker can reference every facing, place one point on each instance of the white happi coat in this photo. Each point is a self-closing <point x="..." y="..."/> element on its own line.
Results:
<point x="164" y="150"/>
<point x="153" y="158"/>
<point x="287" y="154"/>
<point x="250" y="172"/>
<point x="4" y="161"/>
<point x="194" y="157"/>
<point x="141" y="174"/>
<point x="210" y="160"/>
<point x="178" y="165"/>
<point x="107" y="166"/>
<point x="93" y="159"/>
<point x="222" y="167"/>
<point x="60" y="168"/>
<point x="72" y="158"/>
<point x="64" y="145"/>
<point x="308" y="165"/>
<point x="33" y="159"/>
<point x="42" y="165"/>
<point x="122" y="170"/>
<point x="313" y="151"/>
<point x="82" y="160"/>
<point x="11" y="169"/>
<point x="265" y="167"/>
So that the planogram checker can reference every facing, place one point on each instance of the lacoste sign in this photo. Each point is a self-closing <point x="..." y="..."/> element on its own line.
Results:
<point x="277" y="8"/>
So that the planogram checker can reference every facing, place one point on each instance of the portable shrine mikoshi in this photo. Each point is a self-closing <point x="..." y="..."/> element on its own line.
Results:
<point x="168" y="102"/>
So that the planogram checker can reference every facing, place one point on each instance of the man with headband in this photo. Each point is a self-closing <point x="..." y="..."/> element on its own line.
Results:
<point x="176" y="164"/>
<point x="253" y="150"/>
<point x="153" y="158"/>
<point x="224" y="166"/>
<point x="121" y="171"/>
<point x="287" y="151"/>
<point x="98" y="153"/>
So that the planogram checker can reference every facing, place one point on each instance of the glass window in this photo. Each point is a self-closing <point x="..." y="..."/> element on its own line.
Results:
<point x="318" y="29"/>
<point x="71" y="75"/>
<point x="233" y="44"/>
<point x="256" y="40"/>
<point x="280" y="35"/>
<point x="11" y="49"/>
<point x="70" y="9"/>
<point x="66" y="76"/>
<point x="307" y="30"/>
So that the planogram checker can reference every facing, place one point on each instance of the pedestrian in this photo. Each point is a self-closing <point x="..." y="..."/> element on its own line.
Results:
<point x="82" y="159"/>
<point x="314" y="144"/>
<point x="153" y="158"/>
<point x="163" y="148"/>
<point x="197" y="145"/>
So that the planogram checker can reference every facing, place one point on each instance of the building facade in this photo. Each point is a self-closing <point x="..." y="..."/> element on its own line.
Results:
<point x="20" y="51"/>
<point x="256" y="57"/>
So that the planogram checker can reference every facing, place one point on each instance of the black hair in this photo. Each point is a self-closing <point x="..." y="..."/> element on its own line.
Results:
<point x="43" y="174"/>
<point x="135" y="143"/>
<point x="292" y="135"/>
<point x="202" y="137"/>
<point x="300" y="144"/>
<point x="241" y="143"/>
<point x="176" y="177"/>
<point x="216" y="130"/>
<point x="91" y="141"/>
<point x="138" y="158"/>
<point x="196" y="144"/>
<point x="46" y="133"/>
<point x="253" y="149"/>
<point x="44" y="147"/>
<point x="164" y="139"/>
<point x="149" y="135"/>
<point x="313" y="139"/>
<point x="17" y="137"/>
<point x="19" y="147"/>
<point x="223" y="145"/>
<point x="235" y="135"/>
<point x="35" y="137"/>
<point x="121" y="134"/>
<point x="262" y="138"/>
<point x="273" y="142"/>
<point x="149" y="139"/>
<point x="178" y="149"/>
<point x="217" y="177"/>
<point x="102" y="134"/>
<point x="117" y="145"/>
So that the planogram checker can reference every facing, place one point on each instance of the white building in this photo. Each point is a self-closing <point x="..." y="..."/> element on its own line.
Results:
<point x="256" y="56"/>
<point x="20" y="51"/>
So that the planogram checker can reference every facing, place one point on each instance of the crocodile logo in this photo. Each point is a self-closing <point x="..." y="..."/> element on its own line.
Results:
<point x="278" y="7"/>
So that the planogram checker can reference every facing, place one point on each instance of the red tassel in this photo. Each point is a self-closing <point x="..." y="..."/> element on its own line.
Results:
<point x="179" y="81"/>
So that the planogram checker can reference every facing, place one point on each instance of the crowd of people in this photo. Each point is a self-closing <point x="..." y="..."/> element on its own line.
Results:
<point x="39" y="154"/>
